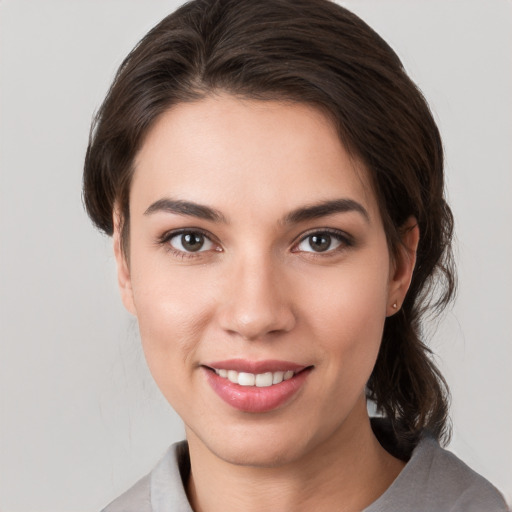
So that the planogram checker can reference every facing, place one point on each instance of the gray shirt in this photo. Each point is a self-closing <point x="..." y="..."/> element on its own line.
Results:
<point x="433" y="480"/>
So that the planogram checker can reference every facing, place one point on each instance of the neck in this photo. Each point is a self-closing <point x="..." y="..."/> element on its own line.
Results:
<point x="347" y="472"/>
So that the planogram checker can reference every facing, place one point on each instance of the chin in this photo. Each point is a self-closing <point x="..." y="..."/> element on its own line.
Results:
<point x="253" y="446"/>
<point x="259" y="454"/>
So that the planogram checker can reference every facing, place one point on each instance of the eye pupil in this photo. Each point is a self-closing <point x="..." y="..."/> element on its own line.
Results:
<point x="192" y="241"/>
<point x="319" y="243"/>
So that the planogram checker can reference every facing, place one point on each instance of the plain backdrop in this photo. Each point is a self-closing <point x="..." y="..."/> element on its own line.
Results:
<point x="80" y="418"/>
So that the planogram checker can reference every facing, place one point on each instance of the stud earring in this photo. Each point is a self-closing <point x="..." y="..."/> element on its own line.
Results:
<point x="394" y="306"/>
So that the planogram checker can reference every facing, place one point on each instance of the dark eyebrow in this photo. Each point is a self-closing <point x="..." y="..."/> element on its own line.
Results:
<point x="186" y="208"/>
<point x="325" y="208"/>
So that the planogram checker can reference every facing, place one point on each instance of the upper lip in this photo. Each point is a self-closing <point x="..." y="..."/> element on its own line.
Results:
<point x="256" y="367"/>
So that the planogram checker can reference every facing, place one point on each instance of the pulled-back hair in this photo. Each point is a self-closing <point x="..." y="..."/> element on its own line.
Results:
<point x="318" y="53"/>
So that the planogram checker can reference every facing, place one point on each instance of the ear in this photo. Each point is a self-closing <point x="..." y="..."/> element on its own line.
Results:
<point x="123" y="266"/>
<point x="402" y="266"/>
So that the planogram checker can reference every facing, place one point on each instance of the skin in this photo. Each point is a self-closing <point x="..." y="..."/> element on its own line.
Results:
<point x="259" y="291"/>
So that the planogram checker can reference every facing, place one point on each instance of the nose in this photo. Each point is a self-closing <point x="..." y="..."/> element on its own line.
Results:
<point x="256" y="302"/>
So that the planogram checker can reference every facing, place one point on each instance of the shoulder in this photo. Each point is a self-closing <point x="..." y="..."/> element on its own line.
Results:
<point x="137" y="498"/>
<point x="467" y="489"/>
<point x="160" y="490"/>
<point x="436" y="479"/>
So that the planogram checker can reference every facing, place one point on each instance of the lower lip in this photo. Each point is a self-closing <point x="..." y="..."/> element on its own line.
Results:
<point x="252" y="398"/>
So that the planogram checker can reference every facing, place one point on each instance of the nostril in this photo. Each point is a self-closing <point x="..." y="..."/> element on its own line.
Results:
<point x="253" y="312"/>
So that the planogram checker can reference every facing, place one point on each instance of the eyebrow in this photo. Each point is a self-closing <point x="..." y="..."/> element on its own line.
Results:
<point x="186" y="208"/>
<point x="302" y="214"/>
<point x="324" y="208"/>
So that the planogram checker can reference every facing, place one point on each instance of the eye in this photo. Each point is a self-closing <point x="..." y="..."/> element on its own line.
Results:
<point x="322" y="241"/>
<point x="190" y="241"/>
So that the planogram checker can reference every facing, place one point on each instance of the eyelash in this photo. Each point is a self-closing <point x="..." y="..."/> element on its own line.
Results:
<point x="343" y="238"/>
<point x="346" y="241"/>
<point x="165" y="239"/>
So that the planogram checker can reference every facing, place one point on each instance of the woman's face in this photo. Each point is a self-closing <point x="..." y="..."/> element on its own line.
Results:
<point x="257" y="255"/>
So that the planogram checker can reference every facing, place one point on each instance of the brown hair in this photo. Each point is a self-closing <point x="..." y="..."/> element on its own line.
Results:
<point x="315" y="52"/>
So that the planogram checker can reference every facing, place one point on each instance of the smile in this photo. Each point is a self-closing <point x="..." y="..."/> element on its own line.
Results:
<point x="260" y="380"/>
<point x="256" y="387"/>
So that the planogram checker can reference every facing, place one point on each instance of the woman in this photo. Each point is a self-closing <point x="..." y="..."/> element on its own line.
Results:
<point x="273" y="182"/>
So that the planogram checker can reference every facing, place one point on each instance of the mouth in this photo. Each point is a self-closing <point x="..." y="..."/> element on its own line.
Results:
<point x="256" y="386"/>
<point x="260" y="380"/>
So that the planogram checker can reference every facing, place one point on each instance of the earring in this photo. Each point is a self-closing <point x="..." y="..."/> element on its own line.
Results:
<point x="394" y="305"/>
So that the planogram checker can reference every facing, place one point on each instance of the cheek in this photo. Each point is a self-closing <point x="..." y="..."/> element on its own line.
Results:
<point x="172" y="313"/>
<point x="347" y="314"/>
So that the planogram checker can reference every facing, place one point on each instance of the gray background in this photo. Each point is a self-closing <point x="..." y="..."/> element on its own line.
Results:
<point x="80" y="419"/>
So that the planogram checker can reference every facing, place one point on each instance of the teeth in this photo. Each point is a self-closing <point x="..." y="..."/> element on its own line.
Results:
<point x="260" y="380"/>
<point x="277" y="377"/>
<point x="246" y="379"/>
<point x="263" y="380"/>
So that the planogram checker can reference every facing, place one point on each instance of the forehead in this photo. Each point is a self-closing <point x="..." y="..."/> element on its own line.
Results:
<point x="224" y="150"/>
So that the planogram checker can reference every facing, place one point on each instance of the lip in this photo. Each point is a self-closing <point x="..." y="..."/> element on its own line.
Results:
<point x="251" y="398"/>
<point x="243" y="365"/>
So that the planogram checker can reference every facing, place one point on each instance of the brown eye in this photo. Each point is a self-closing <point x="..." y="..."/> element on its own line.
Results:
<point x="320" y="243"/>
<point x="323" y="241"/>
<point x="191" y="241"/>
